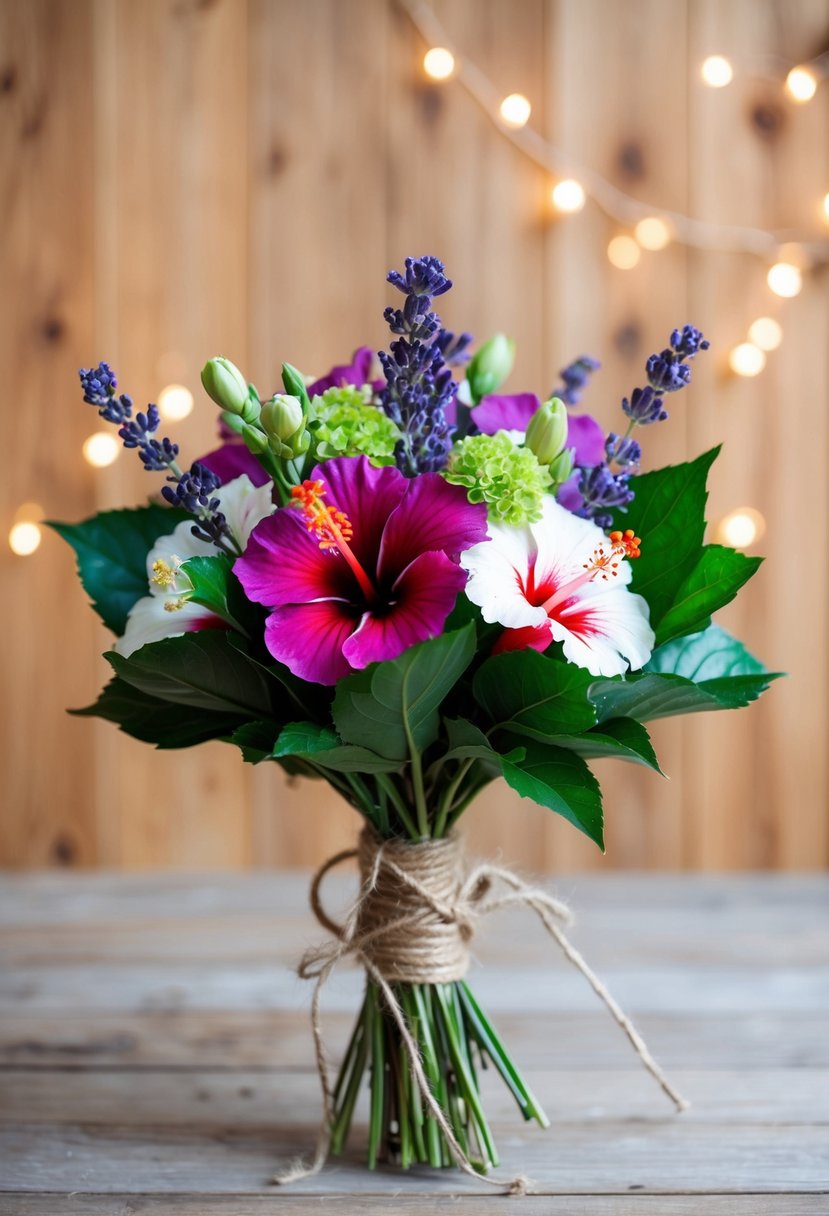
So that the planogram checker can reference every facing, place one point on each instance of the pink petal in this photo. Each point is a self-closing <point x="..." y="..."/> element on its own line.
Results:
<point x="423" y="596"/>
<point x="283" y="564"/>
<point x="308" y="638"/>
<point x="587" y="437"/>
<point x="434" y="515"/>
<point x="502" y="412"/>
<point x="367" y="496"/>
<point x="537" y="637"/>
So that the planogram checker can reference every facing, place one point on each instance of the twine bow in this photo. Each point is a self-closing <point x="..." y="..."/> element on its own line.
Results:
<point x="430" y="896"/>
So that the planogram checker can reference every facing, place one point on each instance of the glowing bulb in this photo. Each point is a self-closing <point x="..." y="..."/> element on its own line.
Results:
<point x="766" y="333"/>
<point x="24" y="538"/>
<point x="741" y="528"/>
<point x="516" y="110"/>
<point x="439" y="63"/>
<point x="623" y="252"/>
<point x="101" y="449"/>
<point x="801" y="84"/>
<point x="785" y="279"/>
<point x="175" y="402"/>
<point x="746" y="360"/>
<point x="717" y="72"/>
<point x="826" y="207"/>
<point x="652" y="233"/>
<point x="568" y="196"/>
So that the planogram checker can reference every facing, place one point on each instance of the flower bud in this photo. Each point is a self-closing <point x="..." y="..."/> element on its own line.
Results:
<point x="490" y="366"/>
<point x="561" y="468"/>
<point x="281" y="417"/>
<point x="226" y="385"/>
<point x="255" y="440"/>
<point x="547" y="430"/>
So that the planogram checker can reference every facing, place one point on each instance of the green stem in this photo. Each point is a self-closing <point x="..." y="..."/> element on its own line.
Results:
<point x="342" y="1120"/>
<point x="466" y="1084"/>
<point x="489" y="1041"/>
<point x="378" y="1068"/>
<point x="448" y="796"/>
<point x="386" y="783"/>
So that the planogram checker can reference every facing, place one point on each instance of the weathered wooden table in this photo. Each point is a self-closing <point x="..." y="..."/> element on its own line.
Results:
<point x="156" y="1053"/>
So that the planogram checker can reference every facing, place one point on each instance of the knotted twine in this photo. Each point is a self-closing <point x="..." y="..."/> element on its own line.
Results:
<point x="411" y="923"/>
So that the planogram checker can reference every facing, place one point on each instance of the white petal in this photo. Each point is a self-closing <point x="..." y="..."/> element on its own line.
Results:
<point x="497" y="568"/>
<point x="619" y="633"/>
<point x="148" y="621"/>
<point x="244" y="504"/>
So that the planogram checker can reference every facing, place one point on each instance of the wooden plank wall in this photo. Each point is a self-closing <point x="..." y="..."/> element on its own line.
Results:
<point x="181" y="177"/>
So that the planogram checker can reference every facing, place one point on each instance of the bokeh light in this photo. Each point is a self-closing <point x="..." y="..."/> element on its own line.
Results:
<point x="717" y="72"/>
<point x="175" y="402"/>
<point x="101" y="449"/>
<point x="516" y="110"/>
<point x="439" y="63"/>
<point x="746" y="360"/>
<point x="623" y="252"/>
<point x="568" y="195"/>
<point x="766" y="333"/>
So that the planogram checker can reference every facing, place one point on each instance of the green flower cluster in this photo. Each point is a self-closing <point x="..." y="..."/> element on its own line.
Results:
<point x="507" y="478"/>
<point x="343" y="422"/>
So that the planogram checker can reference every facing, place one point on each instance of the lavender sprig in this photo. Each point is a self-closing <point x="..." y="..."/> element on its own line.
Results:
<point x="574" y="379"/>
<point x="419" y="384"/>
<point x="605" y="486"/>
<point x="194" y="490"/>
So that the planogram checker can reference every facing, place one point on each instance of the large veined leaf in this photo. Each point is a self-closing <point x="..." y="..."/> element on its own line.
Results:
<point x="391" y="707"/>
<point x="320" y="745"/>
<point x="200" y="670"/>
<point x="112" y="549"/>
<point x="618" y="738"/>
<point x="155" y="721"/>
<point x="668" y="513"/>
<point x="217" y="588"/>
<point x="465" y="741"/>
<point x="712" y="654"/>
<point x="714" y="581"/>
<point x="534" y="694"/>
<point x="561" y="781"/>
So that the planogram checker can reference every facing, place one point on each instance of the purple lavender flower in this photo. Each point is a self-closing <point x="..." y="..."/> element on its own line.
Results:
<point x="574" y="379"/>
<point x="419" y="384"/>
<point x="602" y="491"/>
<point x="644" y="406"/>
<point x="623" y="451"/>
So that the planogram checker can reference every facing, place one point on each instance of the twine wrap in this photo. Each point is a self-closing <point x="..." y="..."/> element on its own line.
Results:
<point x="411" y="923"/>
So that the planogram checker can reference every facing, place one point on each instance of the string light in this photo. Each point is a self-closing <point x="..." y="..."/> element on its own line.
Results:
<point x="175" y="402"/>
<point x="746" y="360"/>
<point x="652" y="233"/>
<point x="717" y="71"/>
<point x="801" y="84"/>
<point x="24" y="538"/>
<point x="623" y="252"/>
<point x="766" y="333"/>
<point x="568" y="196"/>
<point x="516" y="110"/>
<point x="785" y="279"/>
<point x="741" y="527"/>
<point x="101" y="449"/>
<point x="439" y="63"/>
<point x="826" y="207"/>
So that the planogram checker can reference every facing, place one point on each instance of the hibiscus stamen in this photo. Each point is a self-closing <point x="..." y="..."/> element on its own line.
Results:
<point x="603" y="564"/>
<point x="332" y="528"/>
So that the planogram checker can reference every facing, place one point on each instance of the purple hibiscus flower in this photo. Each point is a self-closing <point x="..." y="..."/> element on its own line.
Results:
<point x="231" y="460"/>
<point x="356" y="372"/>
<point x="512" y="413"/>
<point x="361" y="566"/>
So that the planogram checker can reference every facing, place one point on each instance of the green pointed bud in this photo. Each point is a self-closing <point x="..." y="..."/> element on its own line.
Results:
<point x="255" y="440"/>
<point x="295" y="384"/>
<point x="490" y="366"/>
<point x="233" y="422"/>
<point x="281" y="417"/>
<point x="547" y="430"/>
<point x="562" y="466"/>
<point x="226" y="385"/>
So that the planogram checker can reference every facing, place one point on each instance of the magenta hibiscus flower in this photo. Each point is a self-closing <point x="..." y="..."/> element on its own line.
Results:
<point x="360" y="567"/>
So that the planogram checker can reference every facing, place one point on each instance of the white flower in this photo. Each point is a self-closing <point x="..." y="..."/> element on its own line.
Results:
<point x="167" y="612"/>
<point x="562" y="580"/>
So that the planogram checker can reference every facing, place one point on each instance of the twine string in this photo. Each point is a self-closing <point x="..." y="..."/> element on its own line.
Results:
<point x="411" y="922"/>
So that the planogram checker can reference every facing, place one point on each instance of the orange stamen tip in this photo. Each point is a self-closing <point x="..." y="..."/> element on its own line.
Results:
<point x="626" y="543"/>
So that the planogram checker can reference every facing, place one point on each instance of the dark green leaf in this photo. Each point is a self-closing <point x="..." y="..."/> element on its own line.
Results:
<point x="645" y="697"/>
<point x="709" y="655"/>
<point x="561" y="781"/>
<point x="714" y="581"/>
<point x="155" y="721"/>
<point x="288" y="692"/>
<point x="216" y="588"/>
<point x="320" y="745"/>
<point x="668" y="513"/>
<point x="256" y="740"/>
<point x="534" y="694"/>
<point x="467" y="742"/>
<point x="619" y="738"/>
<point x="388" y="704"/>
<point x="201" y="670"/>
<point x="112" y="550"/>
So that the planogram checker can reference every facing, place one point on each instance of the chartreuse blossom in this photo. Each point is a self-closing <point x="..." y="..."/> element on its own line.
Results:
<point x="168" y="611"/>
<point x="494" y="470"/>
<point x="562" y="580"/>
<point x="344" y="422"/>
<point x="360" y="567"/>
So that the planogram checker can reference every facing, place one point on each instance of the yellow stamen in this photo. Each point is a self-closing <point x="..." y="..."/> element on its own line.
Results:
<point x="175" y="605"/>
<point x="163" y="574"/>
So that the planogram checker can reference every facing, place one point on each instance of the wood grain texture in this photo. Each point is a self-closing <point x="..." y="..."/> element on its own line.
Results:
<point x="182" y="178"/>
<point x="153" y="1086"/>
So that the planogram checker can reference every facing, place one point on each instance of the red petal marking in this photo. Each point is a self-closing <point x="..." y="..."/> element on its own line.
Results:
<point x="205" y="622"/>
<point x="537" y="637"/>
<point x="580" y="619"/>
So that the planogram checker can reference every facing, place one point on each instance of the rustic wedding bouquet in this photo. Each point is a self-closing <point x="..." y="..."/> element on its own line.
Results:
<point x="408" y="587"/>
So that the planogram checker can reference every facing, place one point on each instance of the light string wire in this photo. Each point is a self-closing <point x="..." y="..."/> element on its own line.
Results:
<point x="615" y="203"/>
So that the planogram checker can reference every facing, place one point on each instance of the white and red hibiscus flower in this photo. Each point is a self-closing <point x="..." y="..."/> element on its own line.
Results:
<point x="362" y="566"/>
<point x="562" y="580"/>
<point x="167" y="612"/>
